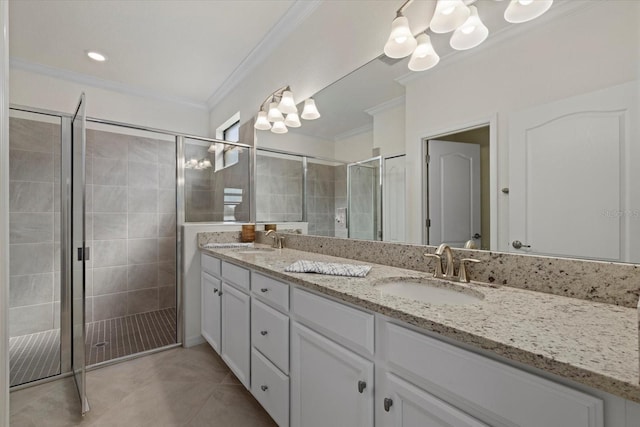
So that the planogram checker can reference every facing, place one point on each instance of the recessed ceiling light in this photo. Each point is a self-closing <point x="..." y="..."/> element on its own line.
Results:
<point x="96" y="56"/>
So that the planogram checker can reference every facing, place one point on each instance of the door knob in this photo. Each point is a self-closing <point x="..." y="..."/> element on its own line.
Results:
<point x="387" y="404"/>
<point x="477" y="236"/>
<point x="263" y="333"/>
<point x="361" y="386"/>
<point x="264" y="290"/>
<point x="518" y="244"/>
<point x="264" y="388"/>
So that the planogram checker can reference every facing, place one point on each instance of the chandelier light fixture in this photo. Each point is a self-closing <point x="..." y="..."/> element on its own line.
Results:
<point x="279" y="112"/>
<point x="459" y="16"/>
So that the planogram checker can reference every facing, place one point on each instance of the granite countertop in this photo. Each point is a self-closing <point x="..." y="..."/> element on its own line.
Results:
<point x="591" y="343"/>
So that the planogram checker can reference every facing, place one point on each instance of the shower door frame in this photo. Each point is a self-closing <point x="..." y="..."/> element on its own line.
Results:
<point x="378" y="232"/>
<point x="65" y="244"/>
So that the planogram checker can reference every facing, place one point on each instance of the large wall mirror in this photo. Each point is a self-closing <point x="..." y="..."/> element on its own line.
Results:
<point x="528" y="143"/>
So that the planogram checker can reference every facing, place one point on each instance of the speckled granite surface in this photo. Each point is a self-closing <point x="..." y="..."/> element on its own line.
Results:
<point x="589" y="342"/>
<point x="607" y="282"/>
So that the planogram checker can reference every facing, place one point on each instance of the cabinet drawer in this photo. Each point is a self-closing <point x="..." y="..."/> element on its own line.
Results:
<point x="270" y="334"/>
<point x="502" y="391"/>
<point x="270" y="387"/>
<point x="335" y="320"/>
<point x="210" y="264"/>
<point x="235" y="275"/>
<point x="271" y="290"/>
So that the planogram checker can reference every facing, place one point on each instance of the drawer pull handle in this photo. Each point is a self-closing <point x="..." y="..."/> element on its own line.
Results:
<point x="264" y="290"/>
<point x="361" y="386"/>
<point x="220" y="293"/>
<point x="263" y="333"/>
<point x="215" y="291"/>
<point x="388" y="403"/>
<point x="264" y="388"/>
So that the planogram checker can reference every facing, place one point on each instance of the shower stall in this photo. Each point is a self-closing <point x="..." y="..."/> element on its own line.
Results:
<point x="93" y="243"/>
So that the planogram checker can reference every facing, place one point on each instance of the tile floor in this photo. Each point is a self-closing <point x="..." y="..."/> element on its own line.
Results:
<point x="179" y="387"/>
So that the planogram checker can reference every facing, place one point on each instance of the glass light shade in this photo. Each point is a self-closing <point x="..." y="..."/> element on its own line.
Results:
<point x="520" y="11"/>
<point x="279" y="127"/>
<point x="274" y="114"/>
<point x="424" y="57"/>
<point x="287" y="104"/>
<point x="449" y="15"/>
<point x="206" y="163"/>
<point x="292" y="120"/>
<point x="471" y="33"/>
<point x="401" y="42"/>
<point x="262" y="123"/>
<point x="212" y="148"/>
<point x="310" y="111"/>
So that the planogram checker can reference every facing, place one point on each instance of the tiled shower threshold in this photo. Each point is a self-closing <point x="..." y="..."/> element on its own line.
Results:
<point x="37" y="356"/>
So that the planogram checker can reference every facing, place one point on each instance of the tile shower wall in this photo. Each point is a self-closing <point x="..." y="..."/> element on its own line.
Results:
<point x="321" y="203"/>
<point x="34" y="194"/>
<point x="131" y="224"/>
<point x="278" y="189"/>
<point x="362" y="222"/>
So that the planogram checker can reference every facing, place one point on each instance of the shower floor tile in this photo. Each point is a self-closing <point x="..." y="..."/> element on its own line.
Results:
<point x="36" y="356"/>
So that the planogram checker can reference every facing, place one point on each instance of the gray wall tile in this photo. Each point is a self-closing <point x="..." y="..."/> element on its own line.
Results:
<point x="143" y="200"/>
<point x="109" y="280"/>
<point x="109" y="171"/>
<point x="167" y="297"/>
<point x="30" y="196"/>
<point x="30" y="258"/>
<point x="109" y="306"/>
<point x="109" y="199"/>
<point x="109" y="226"/>
<point x="142" y="301"/>
<point x="143" y="225"/>
<point x="31" y="289"/>
<point x="167" y="152"/>
<point x="30" y="166"/>
<point x="143" y="150"/>
<point x="166" y="201"/>
<point x="108" y="253"/>
<point x="107" y="144"/>
<point x="143" y="175"/>
<point x="30" y="319"/>
<point x="167" y="176"/>
<point x="166" y="273"/>
<point x="143" y="251"/>
<point x="166" y="249"/>
<point x="31" y="227"/>
<point x="142" y="276"/>
<point x="167" y="225"/>
<point x="32" y="135"/>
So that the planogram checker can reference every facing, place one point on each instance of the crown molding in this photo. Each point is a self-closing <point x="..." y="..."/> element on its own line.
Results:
<point x="353" y="132"/>
<point x="503" y="35"/>
<point x="292" y="18"/>
<point x="72" y="76"/>
<point x="387" y="105"/>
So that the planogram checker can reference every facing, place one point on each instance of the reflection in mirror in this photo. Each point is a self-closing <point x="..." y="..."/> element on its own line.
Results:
<point x="216" y="181"/>
<point x="563" y="130"/>
<point x="364" y="195"/>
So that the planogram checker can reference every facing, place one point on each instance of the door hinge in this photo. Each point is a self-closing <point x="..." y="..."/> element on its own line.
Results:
<point x="427" y="158"/>
<point x="428" y="223"/>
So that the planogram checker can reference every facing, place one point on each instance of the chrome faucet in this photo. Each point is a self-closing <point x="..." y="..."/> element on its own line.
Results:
<point x="278" y="240"/>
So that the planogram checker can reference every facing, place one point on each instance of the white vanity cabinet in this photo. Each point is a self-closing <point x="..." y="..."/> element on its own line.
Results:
<point x="211" y="309"/>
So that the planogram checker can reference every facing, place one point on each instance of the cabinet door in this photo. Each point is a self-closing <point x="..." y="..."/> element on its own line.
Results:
<point x="236" y="332"/>
<point x="405" y="405"/>
<point x="210" y="310"/>
<point x="330" y="385"/>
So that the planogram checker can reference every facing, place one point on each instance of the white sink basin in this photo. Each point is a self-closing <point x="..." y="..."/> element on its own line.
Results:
<point x="429" y="291"/>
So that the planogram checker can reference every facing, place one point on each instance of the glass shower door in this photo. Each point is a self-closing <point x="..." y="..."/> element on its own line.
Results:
<point x="364" y="194"/>
<point x="80" y="252"/>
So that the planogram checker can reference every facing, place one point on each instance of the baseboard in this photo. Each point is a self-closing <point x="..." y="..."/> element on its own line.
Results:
<point x="192" y="341"/>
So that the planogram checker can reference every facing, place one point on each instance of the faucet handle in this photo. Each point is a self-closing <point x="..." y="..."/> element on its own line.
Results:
<point x="438" y="270"/>
<point x="463" y="275"/>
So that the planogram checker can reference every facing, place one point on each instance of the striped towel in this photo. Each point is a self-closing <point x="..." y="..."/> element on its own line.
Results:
<point x="227" y="245"/>
<point x="332" y="269"/>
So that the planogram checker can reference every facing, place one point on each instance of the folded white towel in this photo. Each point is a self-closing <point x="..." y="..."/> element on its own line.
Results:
<point x="227" y="245"/>
<point x="332" y="269"/>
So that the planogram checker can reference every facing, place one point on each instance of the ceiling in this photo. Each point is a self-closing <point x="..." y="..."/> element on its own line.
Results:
<point x="182" y="49"/>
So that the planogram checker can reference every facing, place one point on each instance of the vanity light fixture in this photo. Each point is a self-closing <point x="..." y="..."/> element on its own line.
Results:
<point x="198" y="164"/>
<point x="520" y="11"/>
<point x="281" y="103"/>
<point x="451" y="15"/>
<point x="471" y="33"/>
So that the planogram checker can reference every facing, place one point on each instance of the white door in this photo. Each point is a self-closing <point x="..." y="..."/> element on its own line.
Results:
<point x="574" y="177"/>
<point x="453" y="201"/>
<point x="236" y="326"/>
<point x="211" y="310"/>
<point x="393" y="199"/>
<point x="330" y="385"/>
<point x="405" y="405"/>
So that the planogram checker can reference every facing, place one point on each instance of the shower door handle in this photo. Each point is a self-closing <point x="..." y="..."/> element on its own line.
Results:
<point x="83" y="254"/>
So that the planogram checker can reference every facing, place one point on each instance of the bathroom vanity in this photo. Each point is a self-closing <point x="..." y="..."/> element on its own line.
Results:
<point x="318" y="350"/>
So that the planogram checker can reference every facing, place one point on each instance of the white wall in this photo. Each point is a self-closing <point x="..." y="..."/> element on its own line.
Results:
<point x="4" y="214"/>
<point x="295" y="143"/>
<point x="355" y="148"/>
<point x="592" y="48"/>
<point x="33" y="89"/>
<point x="336" y="39"/>
<point x="389" y="130"/>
